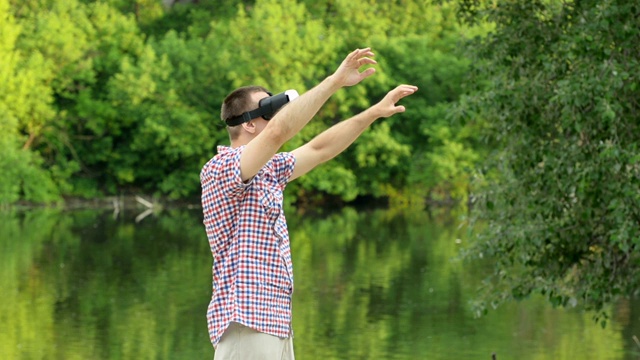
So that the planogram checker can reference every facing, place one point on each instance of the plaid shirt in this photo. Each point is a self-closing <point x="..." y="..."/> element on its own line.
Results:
<point x="247" y="231"/>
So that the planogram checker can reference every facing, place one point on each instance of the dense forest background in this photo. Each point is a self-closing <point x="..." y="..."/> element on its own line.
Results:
<point x="529" y="109"/>
<point x="103" y="98"/>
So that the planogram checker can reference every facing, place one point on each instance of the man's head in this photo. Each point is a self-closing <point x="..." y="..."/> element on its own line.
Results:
<point x="267" y="106"/>
<point x="239" y="101"/>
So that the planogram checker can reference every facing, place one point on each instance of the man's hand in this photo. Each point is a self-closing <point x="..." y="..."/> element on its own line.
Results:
<point x="348" y="73"/>
<point x="387" y="106"/>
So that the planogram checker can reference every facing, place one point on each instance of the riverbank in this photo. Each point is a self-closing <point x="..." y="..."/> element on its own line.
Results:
<point x="112" y="202"/>
<point x="144" y="202"/>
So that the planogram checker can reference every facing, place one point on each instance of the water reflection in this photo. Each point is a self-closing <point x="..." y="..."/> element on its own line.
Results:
<point x="368" y="285"/>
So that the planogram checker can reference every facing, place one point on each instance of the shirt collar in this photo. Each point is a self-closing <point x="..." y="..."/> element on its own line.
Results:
<point x="223" y="148"/>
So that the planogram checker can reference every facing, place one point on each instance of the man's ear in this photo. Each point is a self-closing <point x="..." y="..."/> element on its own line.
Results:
<point x="249" y="126"/>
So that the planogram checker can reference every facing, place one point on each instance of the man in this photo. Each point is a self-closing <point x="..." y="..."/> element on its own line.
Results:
<point x="249" y="315"/>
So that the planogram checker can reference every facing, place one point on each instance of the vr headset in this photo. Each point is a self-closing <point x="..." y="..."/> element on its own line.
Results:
<point x="267" y="108"/>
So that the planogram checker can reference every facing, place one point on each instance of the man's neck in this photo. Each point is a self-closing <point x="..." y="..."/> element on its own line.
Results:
<point x="238" y="142"/>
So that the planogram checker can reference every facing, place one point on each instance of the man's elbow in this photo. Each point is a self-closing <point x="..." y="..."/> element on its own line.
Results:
<point x="321" y="154"/>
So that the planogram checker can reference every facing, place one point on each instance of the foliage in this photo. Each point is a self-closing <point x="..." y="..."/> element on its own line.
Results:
<point x="108" y="97"/>
<point x="560" y="194"/>
<point x="25" y="112"/>
<point x="443" y="151"/>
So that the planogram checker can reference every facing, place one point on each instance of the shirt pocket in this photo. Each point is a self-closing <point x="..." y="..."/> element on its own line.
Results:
<point x="271" y="202"/>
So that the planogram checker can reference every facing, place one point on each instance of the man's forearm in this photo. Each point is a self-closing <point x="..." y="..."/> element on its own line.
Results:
<point x="337" y="138"/>
<point x="295" y="115"/>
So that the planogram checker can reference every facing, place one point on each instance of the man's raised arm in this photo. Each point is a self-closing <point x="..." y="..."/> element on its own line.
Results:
<point x="337" y="138"/>
<point x="295" y="115"/>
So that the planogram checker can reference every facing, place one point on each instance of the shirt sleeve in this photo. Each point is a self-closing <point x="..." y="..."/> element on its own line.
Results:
<point x="223" y="173"/>
<point x="283" y="165"/>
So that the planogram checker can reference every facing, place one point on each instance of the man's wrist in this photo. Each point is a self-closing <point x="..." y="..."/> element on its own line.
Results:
<point x="333" y="82"/>
<point x="372" y="113"/>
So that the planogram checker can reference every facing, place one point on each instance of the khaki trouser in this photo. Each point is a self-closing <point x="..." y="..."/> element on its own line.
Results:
<point x="242" y="343"/>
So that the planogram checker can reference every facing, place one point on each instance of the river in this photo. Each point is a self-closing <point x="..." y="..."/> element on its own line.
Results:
<point x="375" y="284"/>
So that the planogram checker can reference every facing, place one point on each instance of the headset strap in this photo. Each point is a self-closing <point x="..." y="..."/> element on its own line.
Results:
<point x="247" y="116"/>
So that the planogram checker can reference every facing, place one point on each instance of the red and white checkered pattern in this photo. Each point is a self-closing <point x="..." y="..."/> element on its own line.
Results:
<point x="247" y="231"/>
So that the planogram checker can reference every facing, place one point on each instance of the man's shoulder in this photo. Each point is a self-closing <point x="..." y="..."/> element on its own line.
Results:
<point x="283" y="156"/>
<point x="217" y="163"/>
<point x="223" y="153"/>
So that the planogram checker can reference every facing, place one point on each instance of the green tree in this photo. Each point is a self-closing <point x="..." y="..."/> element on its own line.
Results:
<point x="420" y="152"/>
<point x="25" y="113"/>
<point x="442" y="152"/>
<point x="167" y="137"/>
<point x="144" y="11"/>
<point x="110" y="97"/>
<point x="559" y="195"/>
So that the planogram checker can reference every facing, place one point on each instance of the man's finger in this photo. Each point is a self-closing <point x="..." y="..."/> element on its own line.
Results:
<point x="368" y="72"/>
<point x="366" y="60"/>
<point x="398" y="93"/>
<point x="365" y="51"/>
<point x="358" y="53"/>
